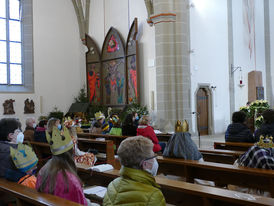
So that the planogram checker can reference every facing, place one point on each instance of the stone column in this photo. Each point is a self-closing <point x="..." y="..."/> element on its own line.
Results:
<point x="171" y="21"/>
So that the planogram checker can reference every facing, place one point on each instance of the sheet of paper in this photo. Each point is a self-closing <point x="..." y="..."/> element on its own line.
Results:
<point x="97" y="190"/>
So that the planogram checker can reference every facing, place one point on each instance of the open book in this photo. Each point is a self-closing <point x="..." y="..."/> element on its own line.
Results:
<point x="102" y="167"/>
<point x="97" y="190"/>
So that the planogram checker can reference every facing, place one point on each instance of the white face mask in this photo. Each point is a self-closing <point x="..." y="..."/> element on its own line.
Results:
<point x="33" y="125"/>
<point x="20" y="138"/>
<point x="153" y="171"/>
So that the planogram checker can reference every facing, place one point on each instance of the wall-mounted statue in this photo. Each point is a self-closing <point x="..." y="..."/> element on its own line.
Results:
<point x="29" y="107"/>
<point x="8" y="106"/>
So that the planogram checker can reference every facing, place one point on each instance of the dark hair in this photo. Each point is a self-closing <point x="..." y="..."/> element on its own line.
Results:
<point x="268" y="116"/>
<point x="238" y="117"/>
<point x="7" y="126"/>
<point x="128" y="120"/>
<point x="58" y="163"/>
<point x="42" y="123"/>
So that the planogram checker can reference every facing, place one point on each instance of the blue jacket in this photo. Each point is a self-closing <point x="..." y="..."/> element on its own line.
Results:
<point x="238" y="132"/>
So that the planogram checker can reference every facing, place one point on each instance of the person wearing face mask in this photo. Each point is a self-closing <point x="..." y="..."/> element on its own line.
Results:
<point x="30" y="128"/>
<point x="136" y="184"/>
<point x="25" y="161"/>
<point x="10" y="135"/>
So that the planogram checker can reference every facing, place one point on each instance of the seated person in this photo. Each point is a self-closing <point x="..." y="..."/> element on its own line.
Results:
<point x="261" y="155"/>
<point x="182" y="146"/>
<point x="267" y="128"/>
<point x="238" y="131"/>
<point x="25" y="160"/>
<point x="147" y="131"/>
<point x="136" y="185"/>
<point x="99" y="126"/>
<point x="40" y="131"/>
<point x="10" y="136"/>
<point x="129" y="126"/>
<point x="116" y="128"/>
<point x="30" y="128"/>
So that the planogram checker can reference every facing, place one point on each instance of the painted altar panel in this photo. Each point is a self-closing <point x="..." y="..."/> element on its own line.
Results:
<point x="94" y="83"/>
<point x="114" y="89"/>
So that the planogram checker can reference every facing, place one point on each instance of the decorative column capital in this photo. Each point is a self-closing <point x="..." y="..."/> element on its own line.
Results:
<point x="162" y="17"/>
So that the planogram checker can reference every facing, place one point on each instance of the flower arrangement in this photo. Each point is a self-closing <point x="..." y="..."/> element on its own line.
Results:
<point x="255" y="109"/>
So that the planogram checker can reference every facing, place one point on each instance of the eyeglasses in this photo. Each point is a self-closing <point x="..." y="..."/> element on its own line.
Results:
<point x="149" y="158"/>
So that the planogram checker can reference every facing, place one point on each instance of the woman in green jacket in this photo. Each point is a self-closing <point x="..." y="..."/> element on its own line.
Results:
<point x="136" y="185"/>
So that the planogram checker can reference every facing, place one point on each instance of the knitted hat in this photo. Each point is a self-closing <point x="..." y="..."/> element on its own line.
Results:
<point x="99" y="115"/>
<point x="23" y="157"/>
<point x="60" y="142"/>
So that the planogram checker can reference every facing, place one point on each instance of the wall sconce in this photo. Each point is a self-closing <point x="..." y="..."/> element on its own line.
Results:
<point x="234" y="69"/>
<point x="213" y="87"/>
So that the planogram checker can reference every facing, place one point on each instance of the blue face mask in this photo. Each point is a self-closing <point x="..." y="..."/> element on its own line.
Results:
<point x="137" y="118"/>
<point x="59" y="126"/>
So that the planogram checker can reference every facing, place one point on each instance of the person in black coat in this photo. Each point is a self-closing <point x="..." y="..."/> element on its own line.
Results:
<point x="238" y="131"/>
<point x="267" y="128"/>
<point x="129" y="126"/>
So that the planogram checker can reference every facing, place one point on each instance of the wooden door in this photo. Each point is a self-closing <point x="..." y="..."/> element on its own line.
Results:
<point x="202" y="111"/>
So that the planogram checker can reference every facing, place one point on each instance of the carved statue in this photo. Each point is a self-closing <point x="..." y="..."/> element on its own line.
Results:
<point x="29" y="107"/>
<point x="8" y="106"/>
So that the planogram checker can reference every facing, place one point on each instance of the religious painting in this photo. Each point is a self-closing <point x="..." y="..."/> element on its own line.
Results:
<point x="132" y="79"/>
<point x="8" y="106"/>
<point x="94" y="82"/>
<point x="259" y="93"/>
<point x="112" y="44"/>
<point x="114" y="82"/>
<point x="29" y="106"/>
<point x="132" y="64"/>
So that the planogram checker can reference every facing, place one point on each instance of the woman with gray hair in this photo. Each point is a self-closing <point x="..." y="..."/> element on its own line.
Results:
<point x="136" y="185"/>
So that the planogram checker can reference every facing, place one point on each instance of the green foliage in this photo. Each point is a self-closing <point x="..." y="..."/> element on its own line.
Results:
<point x="56" y="113"/>
<point x="82" y="96"/>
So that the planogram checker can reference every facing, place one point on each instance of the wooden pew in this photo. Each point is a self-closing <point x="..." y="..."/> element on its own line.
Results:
<point x="187" y="194"/>
<point x="26" y="196"/>
<point x="238" y="146"/>
<point x="220" y="156"/>
<point x="219" y="173"/>
<point x="41" y="149"/>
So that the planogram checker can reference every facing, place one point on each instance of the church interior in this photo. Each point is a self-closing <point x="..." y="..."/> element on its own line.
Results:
<point x="154" y="102"/>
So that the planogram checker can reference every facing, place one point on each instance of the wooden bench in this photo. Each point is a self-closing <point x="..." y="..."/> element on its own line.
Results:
<point x="26" y="196"/>
<point x="220" y="173"/>
<point x="183" y="193"/>
<point x="220" y="156"/>
<point x="238" y="146"/>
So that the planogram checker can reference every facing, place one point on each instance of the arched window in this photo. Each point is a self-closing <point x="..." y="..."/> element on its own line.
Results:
<point x="16" y="57"/>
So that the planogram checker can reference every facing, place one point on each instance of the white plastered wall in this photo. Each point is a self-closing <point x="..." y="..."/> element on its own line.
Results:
<point x="271" y="25"/>
<point x="59" y="60"/>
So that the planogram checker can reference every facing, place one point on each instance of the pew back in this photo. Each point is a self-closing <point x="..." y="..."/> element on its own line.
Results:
<point x="238" y="146"/>
<point x="26" y="196"/>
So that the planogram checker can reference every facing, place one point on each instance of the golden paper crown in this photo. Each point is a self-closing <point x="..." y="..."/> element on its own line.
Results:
<point x="265" y="142"/>
<point x="178" y="126"/>
<point x="185" y="126"/>
<point x="23" y="157"/>
<point x="59" y="141"/>
<point x="99" y="115"/>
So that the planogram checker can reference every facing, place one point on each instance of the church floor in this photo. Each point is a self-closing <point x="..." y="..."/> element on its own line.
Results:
<point x="207" y="141"/>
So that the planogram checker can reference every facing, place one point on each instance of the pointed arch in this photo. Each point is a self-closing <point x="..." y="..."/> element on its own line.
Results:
<point x="133" y="88"/>
<point x="93" y="72"/>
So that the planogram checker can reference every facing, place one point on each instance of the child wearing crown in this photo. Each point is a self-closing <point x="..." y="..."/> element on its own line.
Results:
<point x="59" y="176"/>
<point x="99" y="126"/>
<point x="25" y="161"/>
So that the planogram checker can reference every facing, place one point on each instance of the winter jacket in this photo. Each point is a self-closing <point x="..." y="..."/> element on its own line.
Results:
<point x="265" y="130"/>
<point x="238" y="132"/>
<point x="134" y="187"/>
<point x="29" y="133"/>
<point x="40" y="135"/>
<point x="181" y="145"/>
<point x="147" y="131"/>
<point x="5" y="159"/>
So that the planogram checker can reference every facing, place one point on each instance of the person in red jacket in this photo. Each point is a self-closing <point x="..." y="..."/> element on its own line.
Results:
<point x="147" y="131"/>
